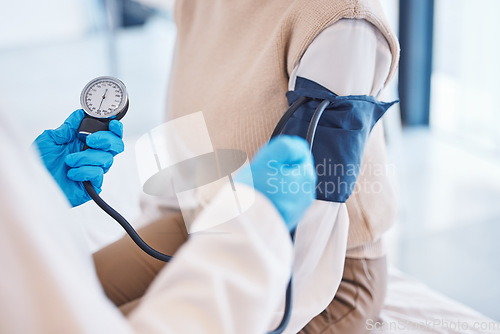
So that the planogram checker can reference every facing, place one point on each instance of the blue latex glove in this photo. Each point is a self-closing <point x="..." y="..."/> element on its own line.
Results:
<point x="283" y="170"/>
<point x="61" y="152"/>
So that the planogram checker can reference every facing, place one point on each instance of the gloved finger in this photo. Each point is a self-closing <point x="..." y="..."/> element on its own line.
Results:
<point x="286" y="150"/>
<point x="90" y="157"/>
<point x="304" y="170"/>
<point x="116" y="127"/>
<point x="67" y="131"/>
<point x="106" y="141"/>
<point x="93" y="174"/>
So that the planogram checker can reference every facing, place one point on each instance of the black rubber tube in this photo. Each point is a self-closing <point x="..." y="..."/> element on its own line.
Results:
<point x="287" y="313"/>
<point x="293" y="108"/>
<point x="313" y="125"/>
<point x="125" y="224"/>
<point x="288" y="310"/>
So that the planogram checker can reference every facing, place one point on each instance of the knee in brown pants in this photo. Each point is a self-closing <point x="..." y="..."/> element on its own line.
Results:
<point x="360" y="297"/>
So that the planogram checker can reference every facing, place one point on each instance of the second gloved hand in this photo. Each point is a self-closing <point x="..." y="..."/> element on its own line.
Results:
<point x="63" y="155"/>
<point x="283" y="171"/>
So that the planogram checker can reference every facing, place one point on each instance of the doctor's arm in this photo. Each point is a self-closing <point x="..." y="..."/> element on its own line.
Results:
<point x="232" y="277"/>
<point x="228" y="280"/>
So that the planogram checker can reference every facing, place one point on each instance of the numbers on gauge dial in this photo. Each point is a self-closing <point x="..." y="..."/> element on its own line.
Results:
<point x="103" y="98"/>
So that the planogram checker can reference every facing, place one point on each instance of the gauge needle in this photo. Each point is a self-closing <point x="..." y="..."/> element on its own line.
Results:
<point x="103" y="97"/>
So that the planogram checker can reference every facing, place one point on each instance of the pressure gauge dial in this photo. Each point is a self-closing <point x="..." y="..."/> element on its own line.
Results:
<point x="103" y="99"/>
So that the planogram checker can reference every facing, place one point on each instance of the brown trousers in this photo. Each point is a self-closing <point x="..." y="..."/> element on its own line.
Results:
<point x="125" y="273"/>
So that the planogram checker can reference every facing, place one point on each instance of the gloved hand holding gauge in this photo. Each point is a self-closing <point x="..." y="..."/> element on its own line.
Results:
<point x="96" y="127"/>
<point x="80" y="151"/>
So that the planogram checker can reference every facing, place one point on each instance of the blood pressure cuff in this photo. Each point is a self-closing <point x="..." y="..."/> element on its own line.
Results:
<point x="340" y="137"/>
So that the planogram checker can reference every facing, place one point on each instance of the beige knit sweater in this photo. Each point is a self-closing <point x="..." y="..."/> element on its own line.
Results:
<point x="233" y="60"/>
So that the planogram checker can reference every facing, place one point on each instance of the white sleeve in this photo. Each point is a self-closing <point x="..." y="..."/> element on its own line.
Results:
<point x="229" y="280"/>
<point x="351" y="57"/>
<point x="48" y="282"/>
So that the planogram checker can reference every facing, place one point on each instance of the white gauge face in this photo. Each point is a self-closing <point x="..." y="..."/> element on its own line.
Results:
<point x="104" y="97"/>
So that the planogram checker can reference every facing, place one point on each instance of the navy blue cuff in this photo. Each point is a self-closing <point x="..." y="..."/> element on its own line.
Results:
<point x="340" y="137"/>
